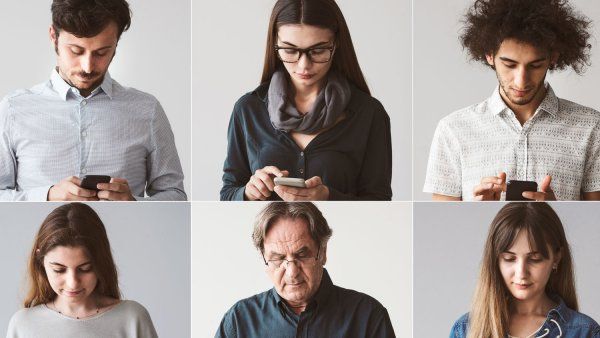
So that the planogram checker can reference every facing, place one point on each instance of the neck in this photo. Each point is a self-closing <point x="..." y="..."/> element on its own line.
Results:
<point x="539" y="306"/>
<point x="524" y="112"/>
<point x="76" y="309"/>
<point x="298" y="308"/>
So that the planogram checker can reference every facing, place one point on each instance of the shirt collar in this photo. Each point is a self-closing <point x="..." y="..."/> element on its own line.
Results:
<point x="561" y="311"/>
<point x="321" y="295"/>
<point x="496" y="104"/>
<point x="62" y="87"/>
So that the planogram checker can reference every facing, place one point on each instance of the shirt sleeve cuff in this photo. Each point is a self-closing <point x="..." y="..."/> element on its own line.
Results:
<point x="38" y="194"/>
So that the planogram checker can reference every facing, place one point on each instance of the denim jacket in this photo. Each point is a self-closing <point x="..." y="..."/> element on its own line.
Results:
<point x="561" y="322"/>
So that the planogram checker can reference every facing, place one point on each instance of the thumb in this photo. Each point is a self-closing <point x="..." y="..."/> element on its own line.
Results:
<point x="545" y="187"/>
<point x="313" y="182"/>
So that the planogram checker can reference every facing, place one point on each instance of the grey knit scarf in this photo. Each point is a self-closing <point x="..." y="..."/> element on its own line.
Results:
<point x="330" y="104"/>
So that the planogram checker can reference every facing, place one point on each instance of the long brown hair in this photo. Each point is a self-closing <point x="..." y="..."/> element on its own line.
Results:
<point x="320" y="13"/>
<point x="489" y="316"/>
<point x="71" y="225"/>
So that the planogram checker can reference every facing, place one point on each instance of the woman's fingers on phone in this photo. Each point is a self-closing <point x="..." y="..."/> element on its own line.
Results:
<point x="260" y="186"/>
<point x="266" y="179"/>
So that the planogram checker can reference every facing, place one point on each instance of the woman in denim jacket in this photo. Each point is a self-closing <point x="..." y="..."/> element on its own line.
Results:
<point x="526" y="287"/>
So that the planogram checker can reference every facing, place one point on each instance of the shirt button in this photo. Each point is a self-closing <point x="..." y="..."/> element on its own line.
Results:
<point x="83" y="171"/>
<point x="301" y="171"/>
<point x="83" y="133"/>
<point x="83" y="103"/>
<point x="302" y="154"/>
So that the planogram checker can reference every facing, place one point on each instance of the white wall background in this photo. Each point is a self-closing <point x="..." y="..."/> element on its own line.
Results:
<point x="370" y="251"/>
<point x="445" y="81"/>
<point x="150" y="242"/>
<point x="229" y="40"/>
<point x="448" y="246"/>
<point x="153" y="56"/>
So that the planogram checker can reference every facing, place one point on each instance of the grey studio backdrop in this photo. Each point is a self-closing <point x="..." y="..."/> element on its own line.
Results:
<point x="150" y="245"/>
<point x="448" y="245"/>
<point x="445" y="80"/>
<point x="229" y="39"/>
<point x="370" y="251"/>
<point x="154" y="56"/>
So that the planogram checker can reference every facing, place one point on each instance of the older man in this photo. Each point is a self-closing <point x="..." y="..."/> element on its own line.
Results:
<point x="292" y="238"/>
<point x="82" y="122"/>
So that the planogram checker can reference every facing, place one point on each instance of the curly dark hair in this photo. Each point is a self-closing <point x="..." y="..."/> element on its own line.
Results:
<point x="550" y="25"/>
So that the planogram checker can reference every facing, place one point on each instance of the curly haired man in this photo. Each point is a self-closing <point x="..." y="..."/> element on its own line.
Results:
<point x="523" y="131"/>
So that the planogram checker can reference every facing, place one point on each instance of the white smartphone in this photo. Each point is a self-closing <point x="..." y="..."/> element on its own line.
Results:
<point x="290" y="182"/>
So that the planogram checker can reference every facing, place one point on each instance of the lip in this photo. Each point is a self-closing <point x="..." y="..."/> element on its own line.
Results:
<point x="305" y="76"/>
<point x="521" y="93"/>
<point x="522" y="286"/>
<point x="72" y="293"/>
<point x="294" y="284"/>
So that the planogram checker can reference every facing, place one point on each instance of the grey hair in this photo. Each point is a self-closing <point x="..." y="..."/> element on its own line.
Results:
<point x="317" y="224"/>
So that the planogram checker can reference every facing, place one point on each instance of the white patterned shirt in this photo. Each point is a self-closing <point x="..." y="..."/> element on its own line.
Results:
<point x="562" y="140"/>
<point x="51" y="132"/>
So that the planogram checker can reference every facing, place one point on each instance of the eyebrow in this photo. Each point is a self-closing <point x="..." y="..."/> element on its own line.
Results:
<point x="528" y="254"/>
<point x="95" y="50"/>
<point x="315" y="45"/>
<point x="304" y="248"/>
<point x="64" y="266"/>
<point x="504" y="58"/>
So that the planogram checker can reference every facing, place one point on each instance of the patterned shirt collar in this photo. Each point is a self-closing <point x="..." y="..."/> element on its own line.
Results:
<point x="496" y="104"/>
<point x="62" y="88"/>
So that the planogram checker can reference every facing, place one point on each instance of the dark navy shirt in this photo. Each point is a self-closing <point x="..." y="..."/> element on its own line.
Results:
<point x="560" y="322"/>
<point x="353" y="158"/>
<point x="334" y="313"/>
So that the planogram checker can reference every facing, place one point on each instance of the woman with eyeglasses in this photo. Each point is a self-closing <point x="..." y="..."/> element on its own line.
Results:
<point x="526" y="284"/>
<point x="311" y="130"/>
<point x="74" y="290"/>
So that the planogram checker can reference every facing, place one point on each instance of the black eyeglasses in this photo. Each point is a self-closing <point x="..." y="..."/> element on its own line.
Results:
<point x="299" y="261"/>
<point x="315" y="54"/>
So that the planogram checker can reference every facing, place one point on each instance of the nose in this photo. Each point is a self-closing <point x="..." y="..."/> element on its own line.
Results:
<point x="304" y="61"/>
<point x="87" y="63"/>
<point x="521" y="270"/>
<point x="291" y="268"/>
<point x="72" y="281"/>
<point x="521" y="78"/>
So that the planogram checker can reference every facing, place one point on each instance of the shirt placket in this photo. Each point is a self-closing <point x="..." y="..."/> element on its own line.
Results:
<point x="302" y="329"/>
<point x="301" y="165"/>
<point x="522" y="148"/>
<point x="83" y="136"/>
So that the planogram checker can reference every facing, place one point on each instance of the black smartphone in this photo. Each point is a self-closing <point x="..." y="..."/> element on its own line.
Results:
<point x="91" y="181"/>
<point x="515" y="189"/>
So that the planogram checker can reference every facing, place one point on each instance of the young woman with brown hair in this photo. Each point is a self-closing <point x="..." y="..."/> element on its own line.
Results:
<point x="312" y="118"/>
<point x="74" y="285"/>
<point x="526" y="285"/>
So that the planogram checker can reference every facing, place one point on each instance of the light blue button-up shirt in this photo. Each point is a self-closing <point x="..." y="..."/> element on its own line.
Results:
<point x="51" y="132"/>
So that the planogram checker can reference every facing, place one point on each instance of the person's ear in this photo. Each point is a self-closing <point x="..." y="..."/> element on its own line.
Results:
<point x="490" y="60"/>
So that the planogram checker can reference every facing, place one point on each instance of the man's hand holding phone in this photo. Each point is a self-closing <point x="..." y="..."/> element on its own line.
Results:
<point x="545" y="193"/>
<point x="490" y="188"/>
<point x="115" y="190"/>
<point x="69" y="189"/>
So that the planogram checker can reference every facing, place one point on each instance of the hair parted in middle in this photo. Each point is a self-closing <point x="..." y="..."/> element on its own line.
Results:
<point x="319" y="13"/>
<point x="489" y="316"/>
<point x="71" y="225"/>
<point x="275" y="211"/>
<point x="552" y="26"/>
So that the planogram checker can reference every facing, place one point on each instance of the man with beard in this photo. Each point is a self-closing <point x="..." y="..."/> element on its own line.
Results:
<point x="523" y="132"/>
<point x="82" y="122"/>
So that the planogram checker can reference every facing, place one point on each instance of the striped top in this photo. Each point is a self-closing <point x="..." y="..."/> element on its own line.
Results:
<point x="51" y="132"/>
<point x="562" y="140"/>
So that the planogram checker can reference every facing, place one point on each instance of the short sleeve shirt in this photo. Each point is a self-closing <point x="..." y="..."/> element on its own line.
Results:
<point x="562" y="140"/>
